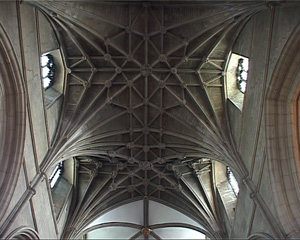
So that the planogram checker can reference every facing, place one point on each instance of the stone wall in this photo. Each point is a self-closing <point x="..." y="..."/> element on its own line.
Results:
<point x="262" y="40"/>
<point x="31" y="206"/>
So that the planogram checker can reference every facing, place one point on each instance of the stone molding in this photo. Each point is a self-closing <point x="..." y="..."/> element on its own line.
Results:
<point x="27" y="195"/>
<point x="13" y="120"/>
<point x="282" y="135"/>
<point x="260" y="236"/>
<point x="23" y="233"/>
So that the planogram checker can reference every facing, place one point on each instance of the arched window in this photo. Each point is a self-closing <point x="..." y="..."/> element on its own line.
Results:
<point x="242" y="74"/>
<point x="56" y="174"/>
<point x="48" y="70"/>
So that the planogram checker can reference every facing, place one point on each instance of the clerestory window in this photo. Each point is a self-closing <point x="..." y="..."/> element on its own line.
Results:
<point x="61" y="183"/>
<point x="56" y="174"/>
<point x="242" y="74"/>
<point x="237" y="73"/>
<point x="48" y="70"/>
<point x="232" y="181"/>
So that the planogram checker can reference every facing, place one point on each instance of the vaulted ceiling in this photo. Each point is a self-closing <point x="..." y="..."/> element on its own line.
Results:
<point x="144" y="108"/>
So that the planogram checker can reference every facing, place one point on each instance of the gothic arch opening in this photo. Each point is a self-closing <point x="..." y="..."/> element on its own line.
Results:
<point x="282" y="135"/>
<point x="144" y="219"/>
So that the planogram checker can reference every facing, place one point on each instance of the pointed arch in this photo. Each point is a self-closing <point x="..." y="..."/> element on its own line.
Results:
<point x="282" y="135"/>
<point x="12" y="123"/>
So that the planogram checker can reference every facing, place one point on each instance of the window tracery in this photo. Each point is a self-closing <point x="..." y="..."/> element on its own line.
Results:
<point x="242" y="74"/>
<point x="48" y="70"/>
<point x="237" y="73"/>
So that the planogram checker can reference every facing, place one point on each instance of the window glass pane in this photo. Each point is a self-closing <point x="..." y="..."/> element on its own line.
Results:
<point x="242" y="73"/>
<point x="246" y="64"/>
<point x="46" y="82"/>
<point x="55" y="175"/>
<point x="243" y="86"/>
<point x="44" y="60"/>
<point x="232" y="181"/>
<point x="45" y="71"/>
<point x="54" y="179"/>
<point x="48" y="70"/>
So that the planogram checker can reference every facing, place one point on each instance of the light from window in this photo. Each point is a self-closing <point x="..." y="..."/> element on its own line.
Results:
<point x="232" y="181"/>
<point x="242" y="74"/>
<point x="57" y="172"/>
<point x="48" y="70"/>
